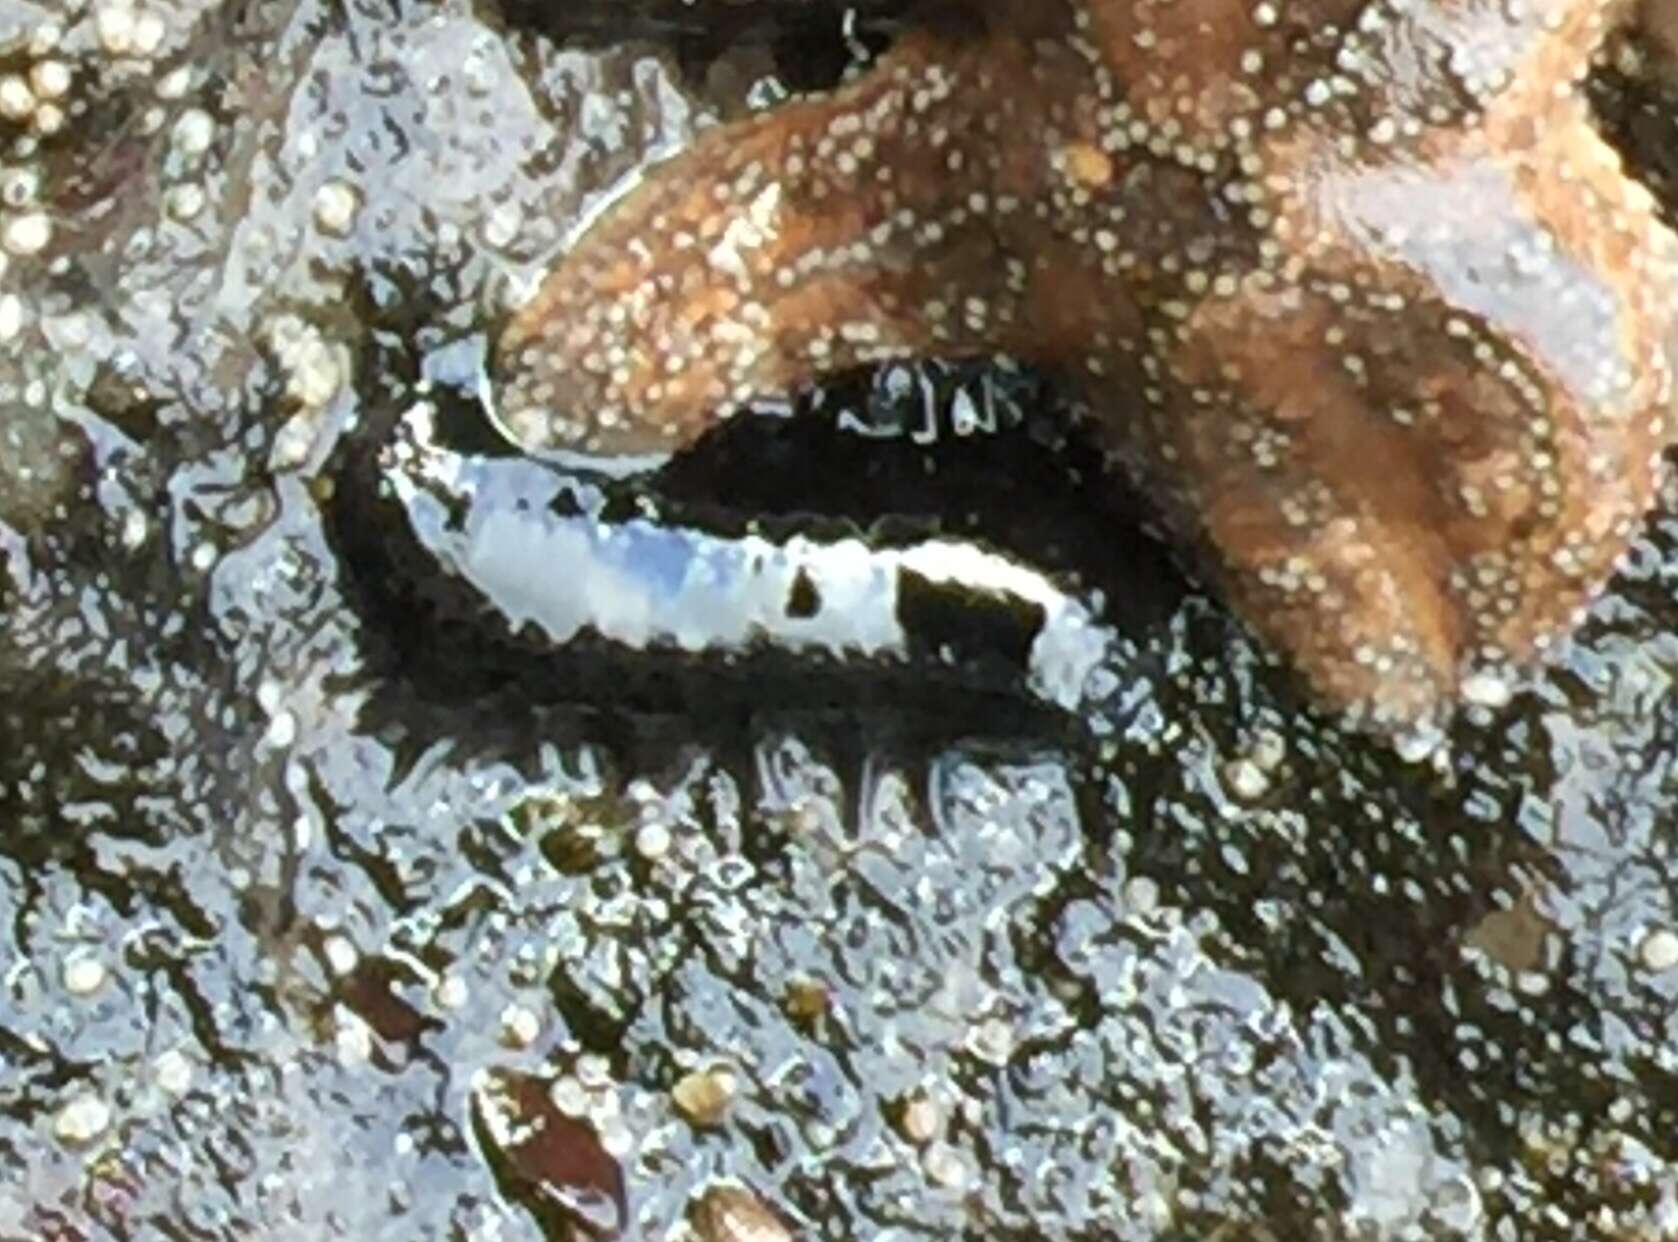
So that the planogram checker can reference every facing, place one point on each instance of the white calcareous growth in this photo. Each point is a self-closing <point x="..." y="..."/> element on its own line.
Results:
<point x="520" y="1026"/>
<point x="652" y="840"/>
<point x="114" y="25"/>
<point x="315" y="369"/>
<point x="26" y="234"/>
<point x="82" y="1119"/>
<point x="1245" y="780"/>
<point x="17" y="101"/>
<point x="309" y="361"/>
<point x="173" y="1071"/>
<point x="84" y="974"/>
<point x="336" y="204"/>
<point x="1659" y="950"/>
<point x="922" y="1119"/>
<point x="50" y="79"/>
<point x="450" y="992"/>
<point x="11" y="315"/>
<point x="341" y="954"/>
<point x="124" y="29"/>
<point x="194" y="132"/>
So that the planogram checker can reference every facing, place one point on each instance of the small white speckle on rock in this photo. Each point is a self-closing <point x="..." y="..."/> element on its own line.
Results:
<point x="50" y="79"/>
<point x="502" y="225"/>
<point x="84" y="974"/>
<point x="174" y="1071"/>
<point x="292" y="443"/>
<point x="44" y="38"/>
<point x="11" y="316"/>
<point x="652" y="841"/>
<point x="1419" y="744"/>
<point x="450" y="992"/>
<point x="1659" y="950"/>
<point x="1268" y="749"/>
<point x="47" y="120"/>
<point x="595" y="1071"/>
<point x="335" y="207"/>
<point x="270" y="693"/>
<point x="519" y="1026"/>
<point x="568" y="1096"/>
<point x="992" y="1040"/>
<point x="1141" y="894"/>
<point x="194" y="132"/>
<point x="341" y="955"/>
<point x="149" y="30"/>
<point x="17" y="101"/>
<point x="19" y="186"/>
<point x="174" y="85"/>
<point x="134" y="530"/>
<point x="183" y="202"/>
<point x="82" y="1120"/>
<point x="1246" y="780"/>
<point x="27" y="234"/>
<point x="922" y="1119"/>
<point x="1487" y="689"/>
<point x="616" y="1138"/>
<point x="944" y="1165"/>
<point x="114" y="24"/>
<point x="282" y="730"/>
<point x="353" y="1039"/>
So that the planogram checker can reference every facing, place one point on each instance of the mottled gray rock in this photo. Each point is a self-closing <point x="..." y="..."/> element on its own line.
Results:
<point x="329" y="881"/>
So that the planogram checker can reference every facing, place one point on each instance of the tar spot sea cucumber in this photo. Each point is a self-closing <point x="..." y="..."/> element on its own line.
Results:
<point x="1351" y="288"/>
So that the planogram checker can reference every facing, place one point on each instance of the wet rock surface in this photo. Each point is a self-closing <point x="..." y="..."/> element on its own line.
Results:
<point x="304" y="920"/>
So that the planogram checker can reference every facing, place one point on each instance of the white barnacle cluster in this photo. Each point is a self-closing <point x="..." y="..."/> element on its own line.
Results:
<point x="315" y="370"/>
<point x="33" y="104"/>
<point x="54" y="69"/>
<point x="68" y="163"/>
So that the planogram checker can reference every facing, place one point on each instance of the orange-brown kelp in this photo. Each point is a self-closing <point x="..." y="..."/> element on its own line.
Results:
<point x="1352" y="288"/>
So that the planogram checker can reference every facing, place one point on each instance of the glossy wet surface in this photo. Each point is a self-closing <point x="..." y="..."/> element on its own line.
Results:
<point x="304" y="911"/>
